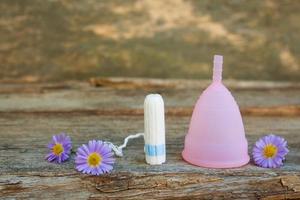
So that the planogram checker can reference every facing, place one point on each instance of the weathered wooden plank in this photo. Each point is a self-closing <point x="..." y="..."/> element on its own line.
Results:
<point x="148" y="186"/>
<point x="264" y="98"/>
<point x="29" y="118"/>
<point x="24" y="136"/>
<point x="24" y="173"/>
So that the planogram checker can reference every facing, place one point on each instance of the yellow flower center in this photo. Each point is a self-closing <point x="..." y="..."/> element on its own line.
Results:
<point x="58" y="149"/>
<point x="270" y="151"/>
<point x="94" y="159"/>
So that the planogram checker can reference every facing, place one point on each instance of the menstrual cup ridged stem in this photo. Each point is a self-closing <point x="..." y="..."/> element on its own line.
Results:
<point x="217" y="70"/>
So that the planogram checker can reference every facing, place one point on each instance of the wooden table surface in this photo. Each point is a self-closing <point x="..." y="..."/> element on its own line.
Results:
<point x="111" y="109"/>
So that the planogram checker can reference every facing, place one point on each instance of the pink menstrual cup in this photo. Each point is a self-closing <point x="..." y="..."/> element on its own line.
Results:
<point x="216" y="136"/>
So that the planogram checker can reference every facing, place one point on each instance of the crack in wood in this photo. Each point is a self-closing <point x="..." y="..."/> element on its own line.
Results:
<point x="292" y="182"/>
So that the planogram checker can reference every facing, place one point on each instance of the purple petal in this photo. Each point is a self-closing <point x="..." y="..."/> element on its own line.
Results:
<point x="82" y="167"/>
<point x="106" y="166"/>
<point x="91" y="146"/>
<point x="109" y="160"/>
<point x="260" y="144"/>
<point x="85" y="149"/>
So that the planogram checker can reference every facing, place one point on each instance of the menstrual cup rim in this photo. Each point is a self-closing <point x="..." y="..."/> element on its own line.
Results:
<point x="216" y="165"/>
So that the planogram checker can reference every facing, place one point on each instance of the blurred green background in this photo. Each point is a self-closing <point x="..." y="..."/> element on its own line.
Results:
<point x="55" y="40"/>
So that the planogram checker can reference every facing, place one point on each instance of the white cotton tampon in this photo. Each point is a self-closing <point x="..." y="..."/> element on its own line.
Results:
<point x="154" y="121"/>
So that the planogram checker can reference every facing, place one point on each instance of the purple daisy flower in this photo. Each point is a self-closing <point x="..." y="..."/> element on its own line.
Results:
<point x="269" y="151"/>
<point x="94" y="158"/>
<point x="60" y="148"/>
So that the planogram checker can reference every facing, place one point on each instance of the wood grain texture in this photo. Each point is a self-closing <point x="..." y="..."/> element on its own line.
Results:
<point x="29" y="116"/>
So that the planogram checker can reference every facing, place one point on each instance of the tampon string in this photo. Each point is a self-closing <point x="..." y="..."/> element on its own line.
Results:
<point x="119" y="149"/>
